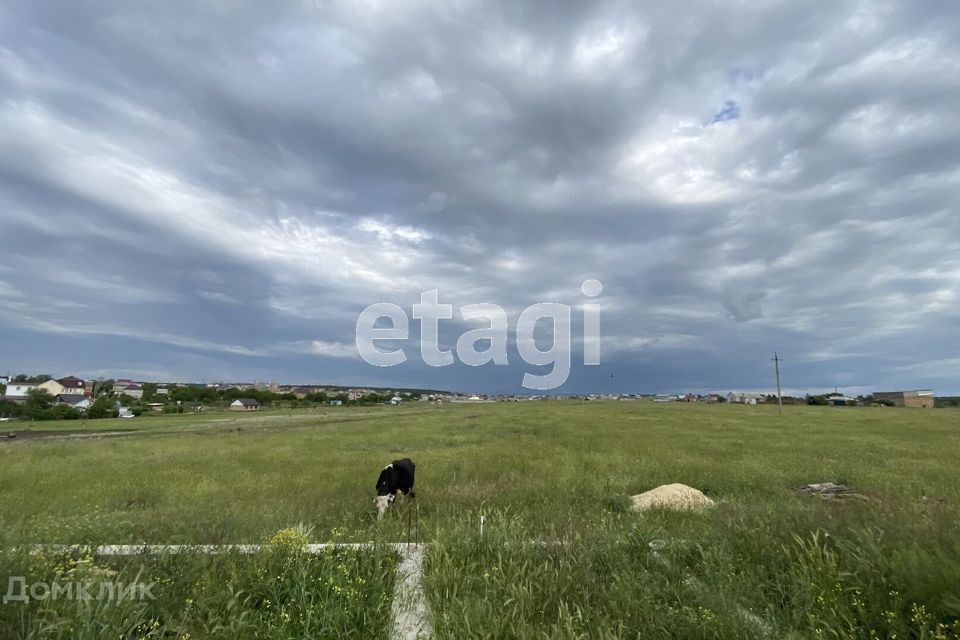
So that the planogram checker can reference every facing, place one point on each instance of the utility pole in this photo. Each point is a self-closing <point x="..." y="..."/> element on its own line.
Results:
<point x="776" y="364"/>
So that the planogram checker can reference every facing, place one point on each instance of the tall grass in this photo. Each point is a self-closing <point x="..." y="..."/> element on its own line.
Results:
<point x="721" y="575"/>
<point x="764" y="563"/>
<point x="279" y="593"/>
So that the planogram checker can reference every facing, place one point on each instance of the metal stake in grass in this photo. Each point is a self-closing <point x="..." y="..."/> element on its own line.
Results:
<point x="409" y="507"/>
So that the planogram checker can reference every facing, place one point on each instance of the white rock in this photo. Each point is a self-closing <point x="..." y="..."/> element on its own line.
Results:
<point x="671" y="496"/>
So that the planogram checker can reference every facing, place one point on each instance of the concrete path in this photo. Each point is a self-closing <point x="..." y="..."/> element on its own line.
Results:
<point x="411" y="618"/>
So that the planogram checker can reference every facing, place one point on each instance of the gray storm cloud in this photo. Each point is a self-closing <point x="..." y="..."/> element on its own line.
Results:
<point x="207" y="190"/>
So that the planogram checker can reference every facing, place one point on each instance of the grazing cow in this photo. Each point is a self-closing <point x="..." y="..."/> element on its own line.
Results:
<point x="395" y="479"/>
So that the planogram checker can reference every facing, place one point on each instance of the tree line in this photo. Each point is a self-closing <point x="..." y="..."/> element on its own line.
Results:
<point x="179" y="398"/>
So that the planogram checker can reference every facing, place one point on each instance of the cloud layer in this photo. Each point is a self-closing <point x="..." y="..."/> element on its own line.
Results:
<point x="215" y="191"/>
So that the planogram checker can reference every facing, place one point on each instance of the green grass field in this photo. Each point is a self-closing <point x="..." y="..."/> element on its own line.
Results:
<point x="764" y="563"/>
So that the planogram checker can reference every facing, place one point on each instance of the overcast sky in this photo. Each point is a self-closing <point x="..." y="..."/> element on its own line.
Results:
<point x="215" y="190"/>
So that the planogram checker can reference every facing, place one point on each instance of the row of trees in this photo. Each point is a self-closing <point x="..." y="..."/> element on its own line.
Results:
<point x="823" y="400"/>
<point x="24" y="378"/>
<point x="190" y="395"/>
<point x="40" y="405"/>
<point x="176" y="399"/>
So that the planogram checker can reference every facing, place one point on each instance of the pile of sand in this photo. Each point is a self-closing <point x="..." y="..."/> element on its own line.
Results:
<point x="671" y="496"/>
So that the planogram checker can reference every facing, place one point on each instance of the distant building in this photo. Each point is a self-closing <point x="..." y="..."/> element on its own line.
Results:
<point x="840" y="400"/>
<point x="665" y="397"/>
<point x="72" y="385"/>
<point x="135" y="391"/>
<point x="746" y="397"/>
<point x="921" y="398"/>
<point x="244" y="404"/>
<point x="18" y="391"/>
<point x="64" y="386"/>
<point x="52" y="387"/>
<point x="74" y="400"/>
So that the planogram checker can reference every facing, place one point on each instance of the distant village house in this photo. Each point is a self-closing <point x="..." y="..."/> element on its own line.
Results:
<point x="79" y="402"/>
<point x="64" y="386"/>
<point x="18" y="391"/>
<point x="837" y="399"/>
<point x="244" y="404"/>
<point x="746" y="397"/>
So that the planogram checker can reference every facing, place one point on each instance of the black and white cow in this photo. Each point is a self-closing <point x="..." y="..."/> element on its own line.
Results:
<point x="395" y="479"/>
